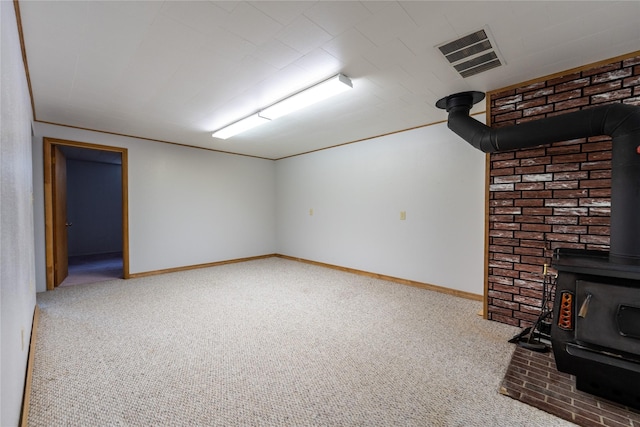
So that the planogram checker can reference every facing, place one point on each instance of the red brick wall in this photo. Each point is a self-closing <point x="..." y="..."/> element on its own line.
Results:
<point x="552" y="196"/>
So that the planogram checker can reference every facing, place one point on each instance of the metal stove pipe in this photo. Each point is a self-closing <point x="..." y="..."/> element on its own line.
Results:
<point x="620" y="121"/>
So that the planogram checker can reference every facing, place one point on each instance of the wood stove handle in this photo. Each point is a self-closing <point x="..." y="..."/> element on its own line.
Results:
<point x="585" y="307"/>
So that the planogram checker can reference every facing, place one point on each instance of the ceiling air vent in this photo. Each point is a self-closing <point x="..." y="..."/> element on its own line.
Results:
<point x="472" y="54"/>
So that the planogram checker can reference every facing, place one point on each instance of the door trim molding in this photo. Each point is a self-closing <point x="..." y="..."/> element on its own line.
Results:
<point x="47" y="146"/>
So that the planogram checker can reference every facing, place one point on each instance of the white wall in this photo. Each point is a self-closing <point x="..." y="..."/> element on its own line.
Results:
<point x="357" y="192"/>
<point x="17" y="291"/>
<point x="187" y="206"/>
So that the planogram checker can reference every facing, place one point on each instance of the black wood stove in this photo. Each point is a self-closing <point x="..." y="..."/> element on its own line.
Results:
<point x="595" y="332"/>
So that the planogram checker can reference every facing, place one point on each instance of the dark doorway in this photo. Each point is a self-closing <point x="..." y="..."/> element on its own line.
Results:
<point x="94" y="215"/>
<point x="91" y="243"/>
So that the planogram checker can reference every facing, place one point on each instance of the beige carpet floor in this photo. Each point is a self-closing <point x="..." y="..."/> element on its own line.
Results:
<point x="269" y="342"/>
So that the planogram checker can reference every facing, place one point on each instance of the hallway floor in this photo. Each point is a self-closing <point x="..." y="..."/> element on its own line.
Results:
<point x="93" y="268"/>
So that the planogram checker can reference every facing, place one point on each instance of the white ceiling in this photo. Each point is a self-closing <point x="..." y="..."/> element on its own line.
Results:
<point x="177" y="70"/>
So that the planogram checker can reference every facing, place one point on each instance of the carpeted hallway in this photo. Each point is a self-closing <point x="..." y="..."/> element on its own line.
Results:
<point x="269" y="342"/>
<point x="93" y="268"/>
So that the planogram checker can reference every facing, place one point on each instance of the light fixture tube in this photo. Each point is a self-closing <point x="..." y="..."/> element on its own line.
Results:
<point x="240" y="126"/>
<point x="326" y="89"/>
<point x="321" y="91"/>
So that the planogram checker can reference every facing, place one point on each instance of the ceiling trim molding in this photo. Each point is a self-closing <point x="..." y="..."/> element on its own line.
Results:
<point x="362" y="140"/>
<point x="248" y="155"/>
<point x="151" y="139"/>
<point x="16" y="6"/>
<point x="372" y="137"/>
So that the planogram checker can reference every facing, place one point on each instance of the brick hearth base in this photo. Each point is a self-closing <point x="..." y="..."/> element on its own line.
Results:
<point x="532" y="378"/>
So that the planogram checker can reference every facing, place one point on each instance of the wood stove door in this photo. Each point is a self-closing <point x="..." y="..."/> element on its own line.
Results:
<point x="607" y="316"/>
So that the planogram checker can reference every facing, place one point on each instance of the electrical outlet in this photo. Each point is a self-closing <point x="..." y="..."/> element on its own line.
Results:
<point x="311" y="212"/>
<point x="403" y="215"/>
<point x="22" y="338"/>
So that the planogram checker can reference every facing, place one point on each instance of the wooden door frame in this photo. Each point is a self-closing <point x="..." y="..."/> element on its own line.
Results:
<point x="47" y="145"/>
<point x="60" y="224"/>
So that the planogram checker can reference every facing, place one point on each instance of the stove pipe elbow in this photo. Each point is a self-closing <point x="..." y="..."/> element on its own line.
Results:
<point x="620" y="121"/>
<point x="614" y="120"/>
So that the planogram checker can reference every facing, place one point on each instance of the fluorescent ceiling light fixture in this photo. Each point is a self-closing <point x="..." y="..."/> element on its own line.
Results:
<point x="240" y="126"/>
<point x="319" y="92"/>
